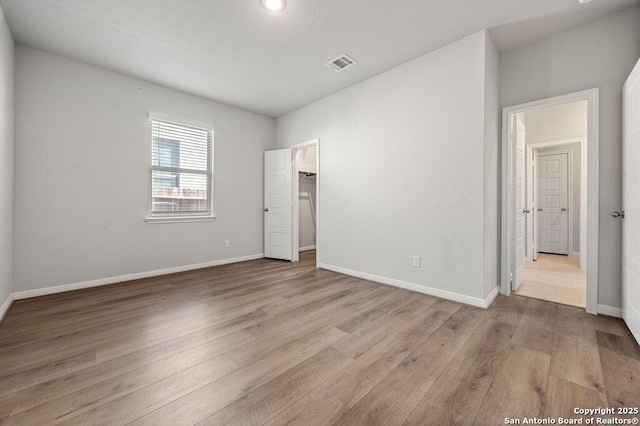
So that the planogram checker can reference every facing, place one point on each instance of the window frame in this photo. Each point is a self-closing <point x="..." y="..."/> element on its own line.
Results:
<point x="180" y="216"/>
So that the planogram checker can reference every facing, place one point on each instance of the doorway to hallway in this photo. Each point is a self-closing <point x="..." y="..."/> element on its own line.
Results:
<point x="548" y="186"/>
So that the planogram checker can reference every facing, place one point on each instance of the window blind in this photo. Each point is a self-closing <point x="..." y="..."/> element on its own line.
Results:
<point x="181" y="172"/>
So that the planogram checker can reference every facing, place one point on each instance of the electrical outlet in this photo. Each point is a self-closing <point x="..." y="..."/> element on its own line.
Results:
<point x="226" y="243"/>
<point x="417" y="260"/>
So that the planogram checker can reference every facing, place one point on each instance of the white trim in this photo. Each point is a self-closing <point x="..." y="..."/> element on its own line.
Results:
<point x="318" y="175"/>
<point x="556" y="142"/>
<point x="179" y="219"/>
<point x="610" y="310"/>
<point x="136" y="276"/>
<point x="592" y="96"/>
<point x="295" y="206"/>
<point x="307" y="248"/>
<point x="5" y="306"/>
<point x="443" y="294"/>
<point x="575" y="254"/>
<point x="491" y="297"/>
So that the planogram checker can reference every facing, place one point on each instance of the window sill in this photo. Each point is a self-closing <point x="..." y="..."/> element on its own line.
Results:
<point x="179" y="219"/>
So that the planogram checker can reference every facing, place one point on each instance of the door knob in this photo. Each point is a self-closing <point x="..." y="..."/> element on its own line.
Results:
<point x="539" y="210"/>
<point x="526" y="211"/>
<point x="618" y="214"/>
<point x="266" y="209"/>
<point x="564" y="209"/>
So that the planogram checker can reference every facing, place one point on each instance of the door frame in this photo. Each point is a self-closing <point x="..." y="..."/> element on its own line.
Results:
<point x="584" y="212"/>
<point x="295" y="246"/>
<point x="592" y="171"/>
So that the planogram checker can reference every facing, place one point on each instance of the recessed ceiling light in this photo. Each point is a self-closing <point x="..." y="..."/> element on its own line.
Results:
<point x="274" y="5"/>
<point x="584" y="1"/>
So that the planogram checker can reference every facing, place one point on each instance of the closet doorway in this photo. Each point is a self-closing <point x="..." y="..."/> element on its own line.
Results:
<point x="305" y="199"/>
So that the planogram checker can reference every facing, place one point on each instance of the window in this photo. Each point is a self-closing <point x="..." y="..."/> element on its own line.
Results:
<point x="181" y="171"/>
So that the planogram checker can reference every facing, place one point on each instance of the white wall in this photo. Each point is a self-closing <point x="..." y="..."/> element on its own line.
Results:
<point x="6" y="161"/>
<point x="402" y="170"/>
<point x="598" y="54"/>
<point x="81" y="193"/>
<point x="557" y="123"/>
<point x="306" y="161"/>
<point x="492" y="197"/>
<point x="306" y="158"/>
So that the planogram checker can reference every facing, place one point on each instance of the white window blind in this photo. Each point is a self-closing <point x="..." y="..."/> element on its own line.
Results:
<point x="181" y="172"/>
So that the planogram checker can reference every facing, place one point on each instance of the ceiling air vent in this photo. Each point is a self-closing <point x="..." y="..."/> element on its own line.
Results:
<point x="340" y="63"/>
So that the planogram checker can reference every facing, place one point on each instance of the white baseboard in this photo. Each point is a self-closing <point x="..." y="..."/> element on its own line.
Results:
<point x="610" y="310"/>
<point x="5" y="307"/>
<point x="307" y="248"/>
<point x="443" y="294"/>
<point x="492" y="296"/>
<point x="112" y="280"/>
<point x="575" y="254"/>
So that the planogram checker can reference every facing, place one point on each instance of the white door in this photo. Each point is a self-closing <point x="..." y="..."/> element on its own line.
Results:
<point x="520" y="200"/>
<point x="631" y="202"/>
<point x="553" y="184"/>
<point x="278" y="204"/>
<point x="530" y="206"/>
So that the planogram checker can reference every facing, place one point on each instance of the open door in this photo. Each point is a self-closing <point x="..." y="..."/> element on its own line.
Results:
<point x="278" y="202"/>
<point x="532" y="204"/>
<point x="520" y="200"/>
<point x="631" y="203"/>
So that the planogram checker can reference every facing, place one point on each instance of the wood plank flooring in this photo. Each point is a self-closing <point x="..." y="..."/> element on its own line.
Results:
<point x="270" y="342"/>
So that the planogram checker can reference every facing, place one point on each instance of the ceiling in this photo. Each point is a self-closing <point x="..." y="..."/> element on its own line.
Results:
<point x="236" y="52"/>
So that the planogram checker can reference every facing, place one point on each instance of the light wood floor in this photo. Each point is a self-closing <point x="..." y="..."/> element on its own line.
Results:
<point x="269" y="342"/>
<point x="555" y="278"/>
